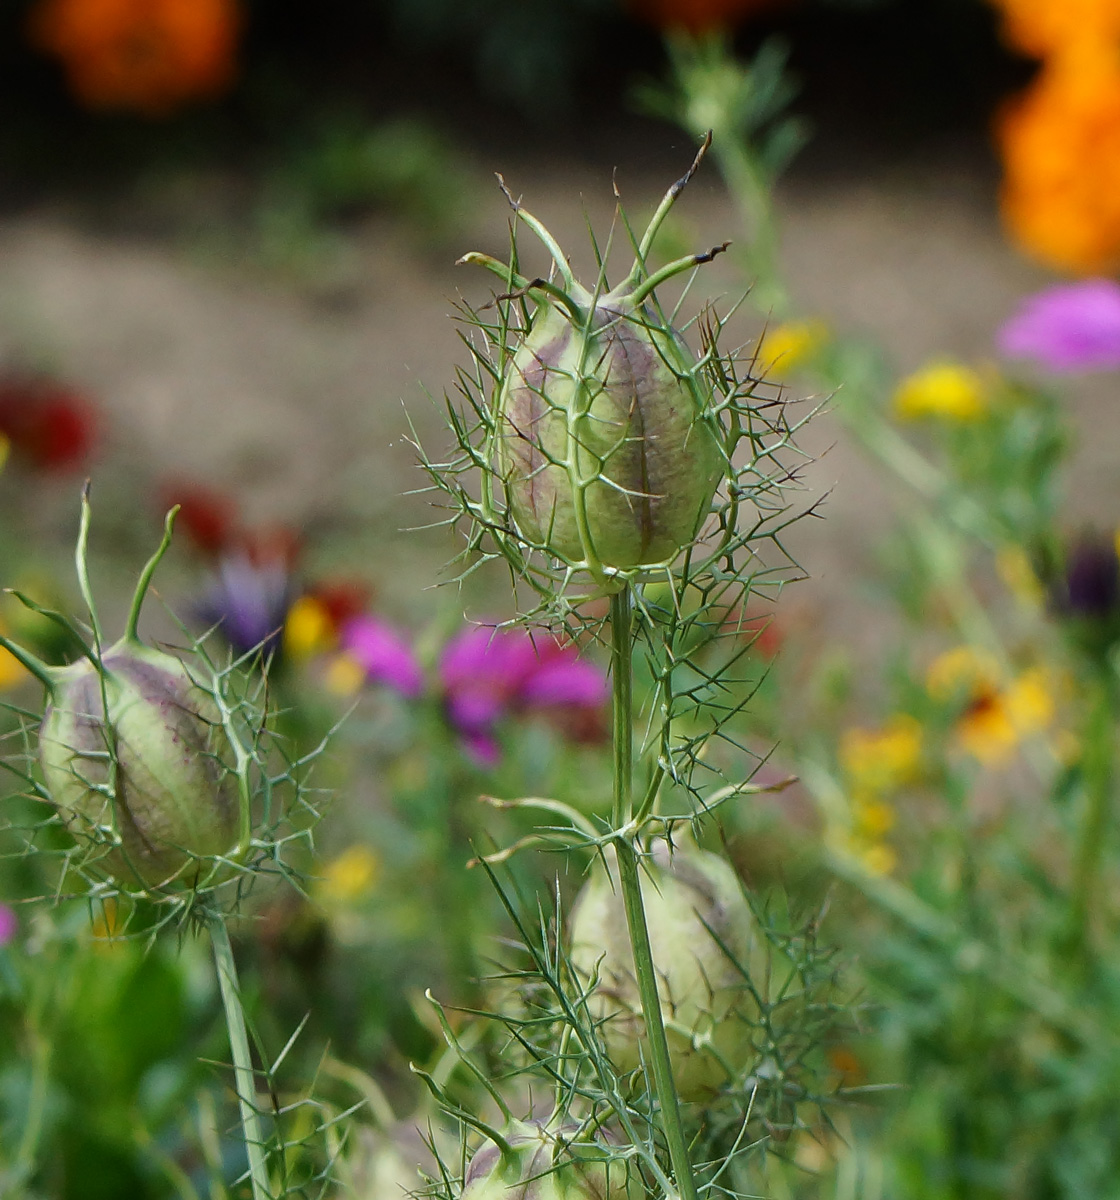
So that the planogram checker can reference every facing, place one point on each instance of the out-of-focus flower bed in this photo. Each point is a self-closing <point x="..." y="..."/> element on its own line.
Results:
<point x="943" y="813"/>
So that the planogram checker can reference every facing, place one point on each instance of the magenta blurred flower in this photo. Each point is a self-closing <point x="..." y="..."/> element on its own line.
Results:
<point x="9" y="924"/>
<point x="383" y="654"/>
<point x="1068" y="328"/>
<point x="486" y="673"/>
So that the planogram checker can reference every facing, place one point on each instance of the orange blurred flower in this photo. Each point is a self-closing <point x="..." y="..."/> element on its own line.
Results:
<point x="1042" y="27"/>
<point x="147" y="55"/>
<point x="700" y="16"/>
<point x="1060" y="143"/>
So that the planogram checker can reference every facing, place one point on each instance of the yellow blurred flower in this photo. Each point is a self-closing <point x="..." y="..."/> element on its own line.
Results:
<point x="872" y="853"/>
<point x="997" y="715"/>
<point x="879" y="859"/>
<point x="12" y="671"/>
<point x="873" y="818"/>
<point x="947" y="390"/>
<point x="349" y="877"/>
<point x="308" y="629"/>
<point x="962" y="669"/>
<point x="107" y="925"/>
<point x="1060" y="144"/>
<point x="787" y="346"/>
<point x="1013" y="565"/>
<point x="1067" y="747"/>
<point x="877" y="760"/>
<point x="344" y="675"/>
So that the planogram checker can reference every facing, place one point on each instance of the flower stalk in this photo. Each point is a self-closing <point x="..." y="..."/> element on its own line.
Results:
<point x="243" y="1076"/>
<point x="1097" y="767"/>
<point x="622" y="643"/>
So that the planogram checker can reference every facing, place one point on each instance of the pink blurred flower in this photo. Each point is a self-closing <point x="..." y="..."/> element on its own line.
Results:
<point x="383" y="654"/>
<point x="488" y="673"/>
<point x="1067" y="328"/>
<point x="9" y="924"/>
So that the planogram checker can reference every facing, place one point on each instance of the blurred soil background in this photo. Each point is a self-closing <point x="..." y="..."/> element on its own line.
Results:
<point x="245" y="325"/>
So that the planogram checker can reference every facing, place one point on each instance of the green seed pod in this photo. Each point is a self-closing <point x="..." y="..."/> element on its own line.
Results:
<point x="131" y="757"/>
<point x="532" y="1162"/>
<point x="605" y="447"/>
<point x="601" y="446"/>
<point x="701" y="930"/>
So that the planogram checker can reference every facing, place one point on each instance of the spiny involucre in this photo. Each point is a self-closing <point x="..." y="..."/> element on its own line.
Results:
<point x="606" y="452"/>
<point x="136" y="755"/>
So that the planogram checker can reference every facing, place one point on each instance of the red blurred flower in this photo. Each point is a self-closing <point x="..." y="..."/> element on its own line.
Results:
<point x="265" y="545"/>
<point x="700" y="16"/>
<point x="342" y="599"/>
<point x="208" y="517"/>
<point x="147" y="55"/>
<point x="762" y="630"/>
<point x="51" y="425"/>
<point x="211" y="520"/>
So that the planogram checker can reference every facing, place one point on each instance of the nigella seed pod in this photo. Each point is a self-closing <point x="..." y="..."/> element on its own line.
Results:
<point x="602" y="446"/>
<point x="135" y="753"/>
<point x="703" y="936"/>
<point x="130" y="753"/>
<point x="529" y="1160"/>
<point x="606" y="450"/>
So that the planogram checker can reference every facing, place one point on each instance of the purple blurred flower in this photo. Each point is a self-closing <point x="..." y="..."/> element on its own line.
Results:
<point x="486" y="673"/>
<point x="1091" y="587"/>
<point x="1068" y="328"/>
<point x="9" y="924"/>
<point x="248" y="601"/>
<point x="384" y="655"/>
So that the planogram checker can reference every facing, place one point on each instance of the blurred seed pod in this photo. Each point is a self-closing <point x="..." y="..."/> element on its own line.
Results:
<point x="533" y="1161"/>
<point x="703" y="936"/>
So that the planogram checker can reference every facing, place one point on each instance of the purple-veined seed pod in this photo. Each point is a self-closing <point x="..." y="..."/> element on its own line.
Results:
<point x="602" y="445"/>
<point x="606" y="447"/>
<point x="701" y="931"/>
<point x="131" y="755"/>
<point x="534" y="1162"/>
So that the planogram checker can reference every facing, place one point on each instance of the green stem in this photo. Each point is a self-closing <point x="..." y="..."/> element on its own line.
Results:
<point x="751" y="192"/>
<point x="459" y="898"/>
<point x="243" y="1075"/>
<point x="622" y="648"/>
<point x="622" y="645"/>
<point x="1096" y="765"/>
<point x="25" y="1160"/>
